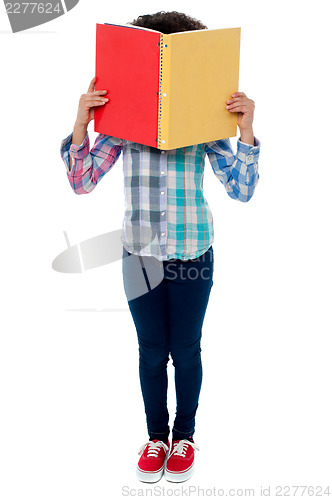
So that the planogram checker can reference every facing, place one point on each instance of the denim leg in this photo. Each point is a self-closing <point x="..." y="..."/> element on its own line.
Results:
<point x="188" y="296"/>
<point x="150" y="315"/>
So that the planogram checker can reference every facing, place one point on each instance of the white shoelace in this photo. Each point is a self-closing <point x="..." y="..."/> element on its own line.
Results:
<point x="154" y="448"/>
<point x="180" y="448"/>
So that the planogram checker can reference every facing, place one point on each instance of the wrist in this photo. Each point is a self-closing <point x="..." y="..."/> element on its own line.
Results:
<point x="247" y="136"/>
<point x="81" y="126"/>
<point x="79" y="133"/>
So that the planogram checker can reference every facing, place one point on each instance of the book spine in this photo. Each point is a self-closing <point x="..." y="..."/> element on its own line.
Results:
<point x="160" y="103"/>
<point x="164" y="87"/>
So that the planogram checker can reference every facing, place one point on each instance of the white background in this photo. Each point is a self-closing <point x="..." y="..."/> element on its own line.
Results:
<point x="72" y="416"/>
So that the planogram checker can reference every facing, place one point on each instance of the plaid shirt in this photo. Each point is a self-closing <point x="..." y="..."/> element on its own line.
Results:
<point x="166" y="214"/>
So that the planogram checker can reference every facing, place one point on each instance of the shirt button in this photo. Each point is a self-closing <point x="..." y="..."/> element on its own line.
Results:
<point x="249" y="158"/>
<point x="162" y="234"/>
<point x="162" y="172"/>
<point x="163" y="192"/>
<point x="163" y="152"/>
<point x="162" y="213"/>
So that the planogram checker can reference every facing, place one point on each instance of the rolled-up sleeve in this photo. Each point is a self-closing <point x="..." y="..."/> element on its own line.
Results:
<point x="89" y="167"/>
<point x="238" y="173"/>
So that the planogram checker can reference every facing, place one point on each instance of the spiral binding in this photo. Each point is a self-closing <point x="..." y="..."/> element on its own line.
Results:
<point x="160" y="88"/>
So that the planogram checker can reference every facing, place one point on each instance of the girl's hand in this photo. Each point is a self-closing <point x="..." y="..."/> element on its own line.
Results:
<point x="244" y="107"/>
<point x="87" y="102"/>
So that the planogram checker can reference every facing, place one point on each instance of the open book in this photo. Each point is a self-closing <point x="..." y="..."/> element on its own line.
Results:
<point x="166" y="91"/>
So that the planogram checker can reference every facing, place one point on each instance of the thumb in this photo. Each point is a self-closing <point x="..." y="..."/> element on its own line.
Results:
<point x="92" y="84"/>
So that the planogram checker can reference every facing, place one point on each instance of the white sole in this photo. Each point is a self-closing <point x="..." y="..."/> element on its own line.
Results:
<point x="179" y="476"/>
<point x="149" y="477"/>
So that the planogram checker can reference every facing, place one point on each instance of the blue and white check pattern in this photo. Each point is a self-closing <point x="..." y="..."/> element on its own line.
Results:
<point x="166" y="214"/>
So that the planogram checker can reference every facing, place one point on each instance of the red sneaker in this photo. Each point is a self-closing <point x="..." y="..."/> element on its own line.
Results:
<point x="150" y="466"/>
<point x="180" y="462"/>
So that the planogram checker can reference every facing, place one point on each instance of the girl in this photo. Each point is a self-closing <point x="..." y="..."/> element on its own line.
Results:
<point x="167" y="238"/>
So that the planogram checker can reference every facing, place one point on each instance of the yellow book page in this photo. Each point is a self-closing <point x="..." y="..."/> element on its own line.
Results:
<point x="200" y="72"/>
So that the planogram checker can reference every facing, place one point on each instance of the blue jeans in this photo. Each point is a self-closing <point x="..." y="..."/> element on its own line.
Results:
<point x="168" y="318"/>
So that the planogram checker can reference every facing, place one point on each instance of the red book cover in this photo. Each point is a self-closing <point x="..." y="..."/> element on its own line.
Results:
<point x="127" y="66"/>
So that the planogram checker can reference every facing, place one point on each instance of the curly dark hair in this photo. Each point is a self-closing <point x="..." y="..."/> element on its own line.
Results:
<point x="169" y="22"/>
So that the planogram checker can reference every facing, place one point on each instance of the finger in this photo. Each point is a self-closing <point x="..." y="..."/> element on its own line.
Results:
<point x="97" y="98"/>
<point x="242" y="102"/>
<point x="91" y="97"/>
<point x="241" y="109"/>
<point x="93" y="102"/>
<point x="238" y="94"/>
<point x="97" y="92"/>
<point x="235" y="104"/>
<point x="97" y="103"/>
<point x="92" y="84"/>
<point x="234" y="99"/>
